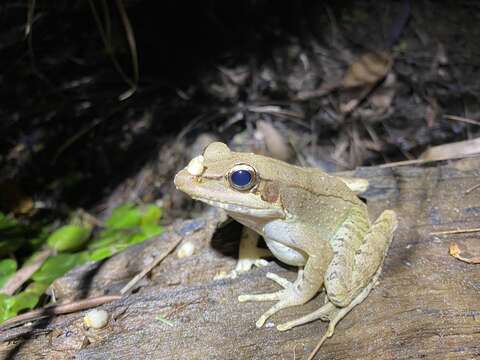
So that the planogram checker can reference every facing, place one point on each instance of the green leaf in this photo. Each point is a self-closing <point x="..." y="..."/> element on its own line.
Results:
<point x="136" y="238"/>
<point x="102" y="253"/>
<point x="151" y="230"/>
<point x="151" y="215"/>
<point x="56" y="266"/>
<point x="23" y="301"/>
<point x="6" y="222"/>
<point x="124" y="217"/>
<point x="4" y="310"/>
<point x="107" y="237"/>
<point x="68" y="238"/>
<point x="7" y="269"/>
<point x="35" y="288"/>
<point x="26" y="300"/>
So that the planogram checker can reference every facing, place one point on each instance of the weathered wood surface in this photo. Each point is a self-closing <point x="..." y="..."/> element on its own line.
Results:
<point x="426" y="306"/>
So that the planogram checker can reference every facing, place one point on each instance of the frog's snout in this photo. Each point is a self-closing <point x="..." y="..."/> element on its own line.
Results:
<point x="181" y="180"/>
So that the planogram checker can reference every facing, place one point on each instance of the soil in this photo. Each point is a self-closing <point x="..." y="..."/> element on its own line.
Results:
<point x="72" y="137"/>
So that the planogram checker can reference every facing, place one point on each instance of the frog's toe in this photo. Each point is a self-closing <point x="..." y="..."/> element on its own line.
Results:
<point x="279" y="280"/>
<point x="289" y="296"/>
<point x="243" y="265"/>
<point x="281" y="304"/>
<point x="326" y="313"/>
<point x="260" y="297"/>
<point x="287" y="285"/>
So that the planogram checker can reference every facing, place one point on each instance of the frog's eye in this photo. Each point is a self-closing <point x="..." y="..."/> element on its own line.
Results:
<point x="242" y="177"/>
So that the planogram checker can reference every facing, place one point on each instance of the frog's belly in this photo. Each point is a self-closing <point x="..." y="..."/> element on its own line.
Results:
<point x="280" y="238"/>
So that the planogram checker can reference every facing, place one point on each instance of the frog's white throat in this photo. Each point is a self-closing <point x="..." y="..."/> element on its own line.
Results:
<point x="239" y="209"/>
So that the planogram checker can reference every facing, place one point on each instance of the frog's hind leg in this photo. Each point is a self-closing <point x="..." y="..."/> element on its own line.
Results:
<point x="330" y="312"/>
<point x="340" y="312"/>
<point x="347" y="279"/>
<point x="369" y="256"/>
<point x="297" y="293"/>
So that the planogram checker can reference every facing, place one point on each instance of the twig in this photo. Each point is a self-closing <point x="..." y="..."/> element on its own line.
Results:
<point x="30" y="14"/>
<point x="317" y="93"/>
<point x="462" y="119"/>
<point x="133" y="83"/>
<point x="25" y="272"/>
<point x="468" y="191"/>
<point x="274" y="110"/>
<point x="59" y="309"/>
<point x="320" y="343"/>
<point x="424" y="161"/>
<point x="456" y="231"/>
<point x="74" y="138"/>
<point x="133" y="48"/>
<point x="85" y="130"/>
<point x="149" y="268"/>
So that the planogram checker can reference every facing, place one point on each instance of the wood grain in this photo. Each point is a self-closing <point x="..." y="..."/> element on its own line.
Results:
<point x="426" y="305"/>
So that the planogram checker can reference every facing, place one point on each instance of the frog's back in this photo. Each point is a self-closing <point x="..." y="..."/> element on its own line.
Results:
<point x="312" y="180"/>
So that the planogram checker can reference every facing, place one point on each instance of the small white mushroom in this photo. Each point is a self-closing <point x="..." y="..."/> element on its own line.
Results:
<point x="185" y="250"/>
<point x="96" y="319"/>
<point x="195" y="167"/>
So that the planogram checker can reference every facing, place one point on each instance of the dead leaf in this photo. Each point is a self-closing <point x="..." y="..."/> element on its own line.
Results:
<point x="276" y="143"/>
<point x="368" y="69"/>
<point x="383" y="99"/>
<point x="455" y="251"/>
<point x="453" y="150"/>
<point x="431" y="112"/>
<point x="13" y="199"/>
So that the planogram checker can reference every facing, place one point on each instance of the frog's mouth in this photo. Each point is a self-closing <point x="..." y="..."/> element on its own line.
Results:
<point x="239" y="209"/>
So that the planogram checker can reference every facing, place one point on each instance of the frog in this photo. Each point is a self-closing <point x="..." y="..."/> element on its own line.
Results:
<point x="308" y="218"/>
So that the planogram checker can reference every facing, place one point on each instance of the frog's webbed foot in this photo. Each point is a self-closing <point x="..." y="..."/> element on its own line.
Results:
<point x="245" y="264"/>
<point x="326" y="313"/>
<point x="289" y="296"/>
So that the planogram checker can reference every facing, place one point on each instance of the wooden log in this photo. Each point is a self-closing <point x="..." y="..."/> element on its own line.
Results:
<point x="426" y="305"/>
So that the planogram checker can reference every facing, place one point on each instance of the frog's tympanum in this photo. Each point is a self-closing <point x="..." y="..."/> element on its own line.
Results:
<point x="308" y="219"/>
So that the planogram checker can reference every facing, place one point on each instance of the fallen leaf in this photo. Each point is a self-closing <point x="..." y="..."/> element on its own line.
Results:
<point x="13" y="199"/>
<point x="431" y="112"/>
<point x="455" y="251"/>
<point x="276" y="143"/>
<point x="368" y="69"/>
<point x="453" y="150"/>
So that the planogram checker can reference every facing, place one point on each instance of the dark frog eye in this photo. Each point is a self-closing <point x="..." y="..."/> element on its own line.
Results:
<point x="242" y="177"/>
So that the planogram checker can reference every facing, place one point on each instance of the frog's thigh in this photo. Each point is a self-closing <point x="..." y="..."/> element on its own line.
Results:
<point x="351" y="270"/>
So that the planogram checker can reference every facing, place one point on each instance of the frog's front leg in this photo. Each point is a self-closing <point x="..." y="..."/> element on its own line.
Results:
<point x="249" y="254"/>
<point x="308" y="283"/>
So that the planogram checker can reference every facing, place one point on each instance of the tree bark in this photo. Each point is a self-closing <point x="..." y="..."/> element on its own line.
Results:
<point x="426" y="304"/>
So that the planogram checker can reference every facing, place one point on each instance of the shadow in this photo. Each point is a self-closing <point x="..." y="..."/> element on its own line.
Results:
<point x="24" y="338"/>
<point x="73" y="128"/>
<point x="86" y="281"/>
<point x="47" y="316"/>
<point x="226" y="239"/>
